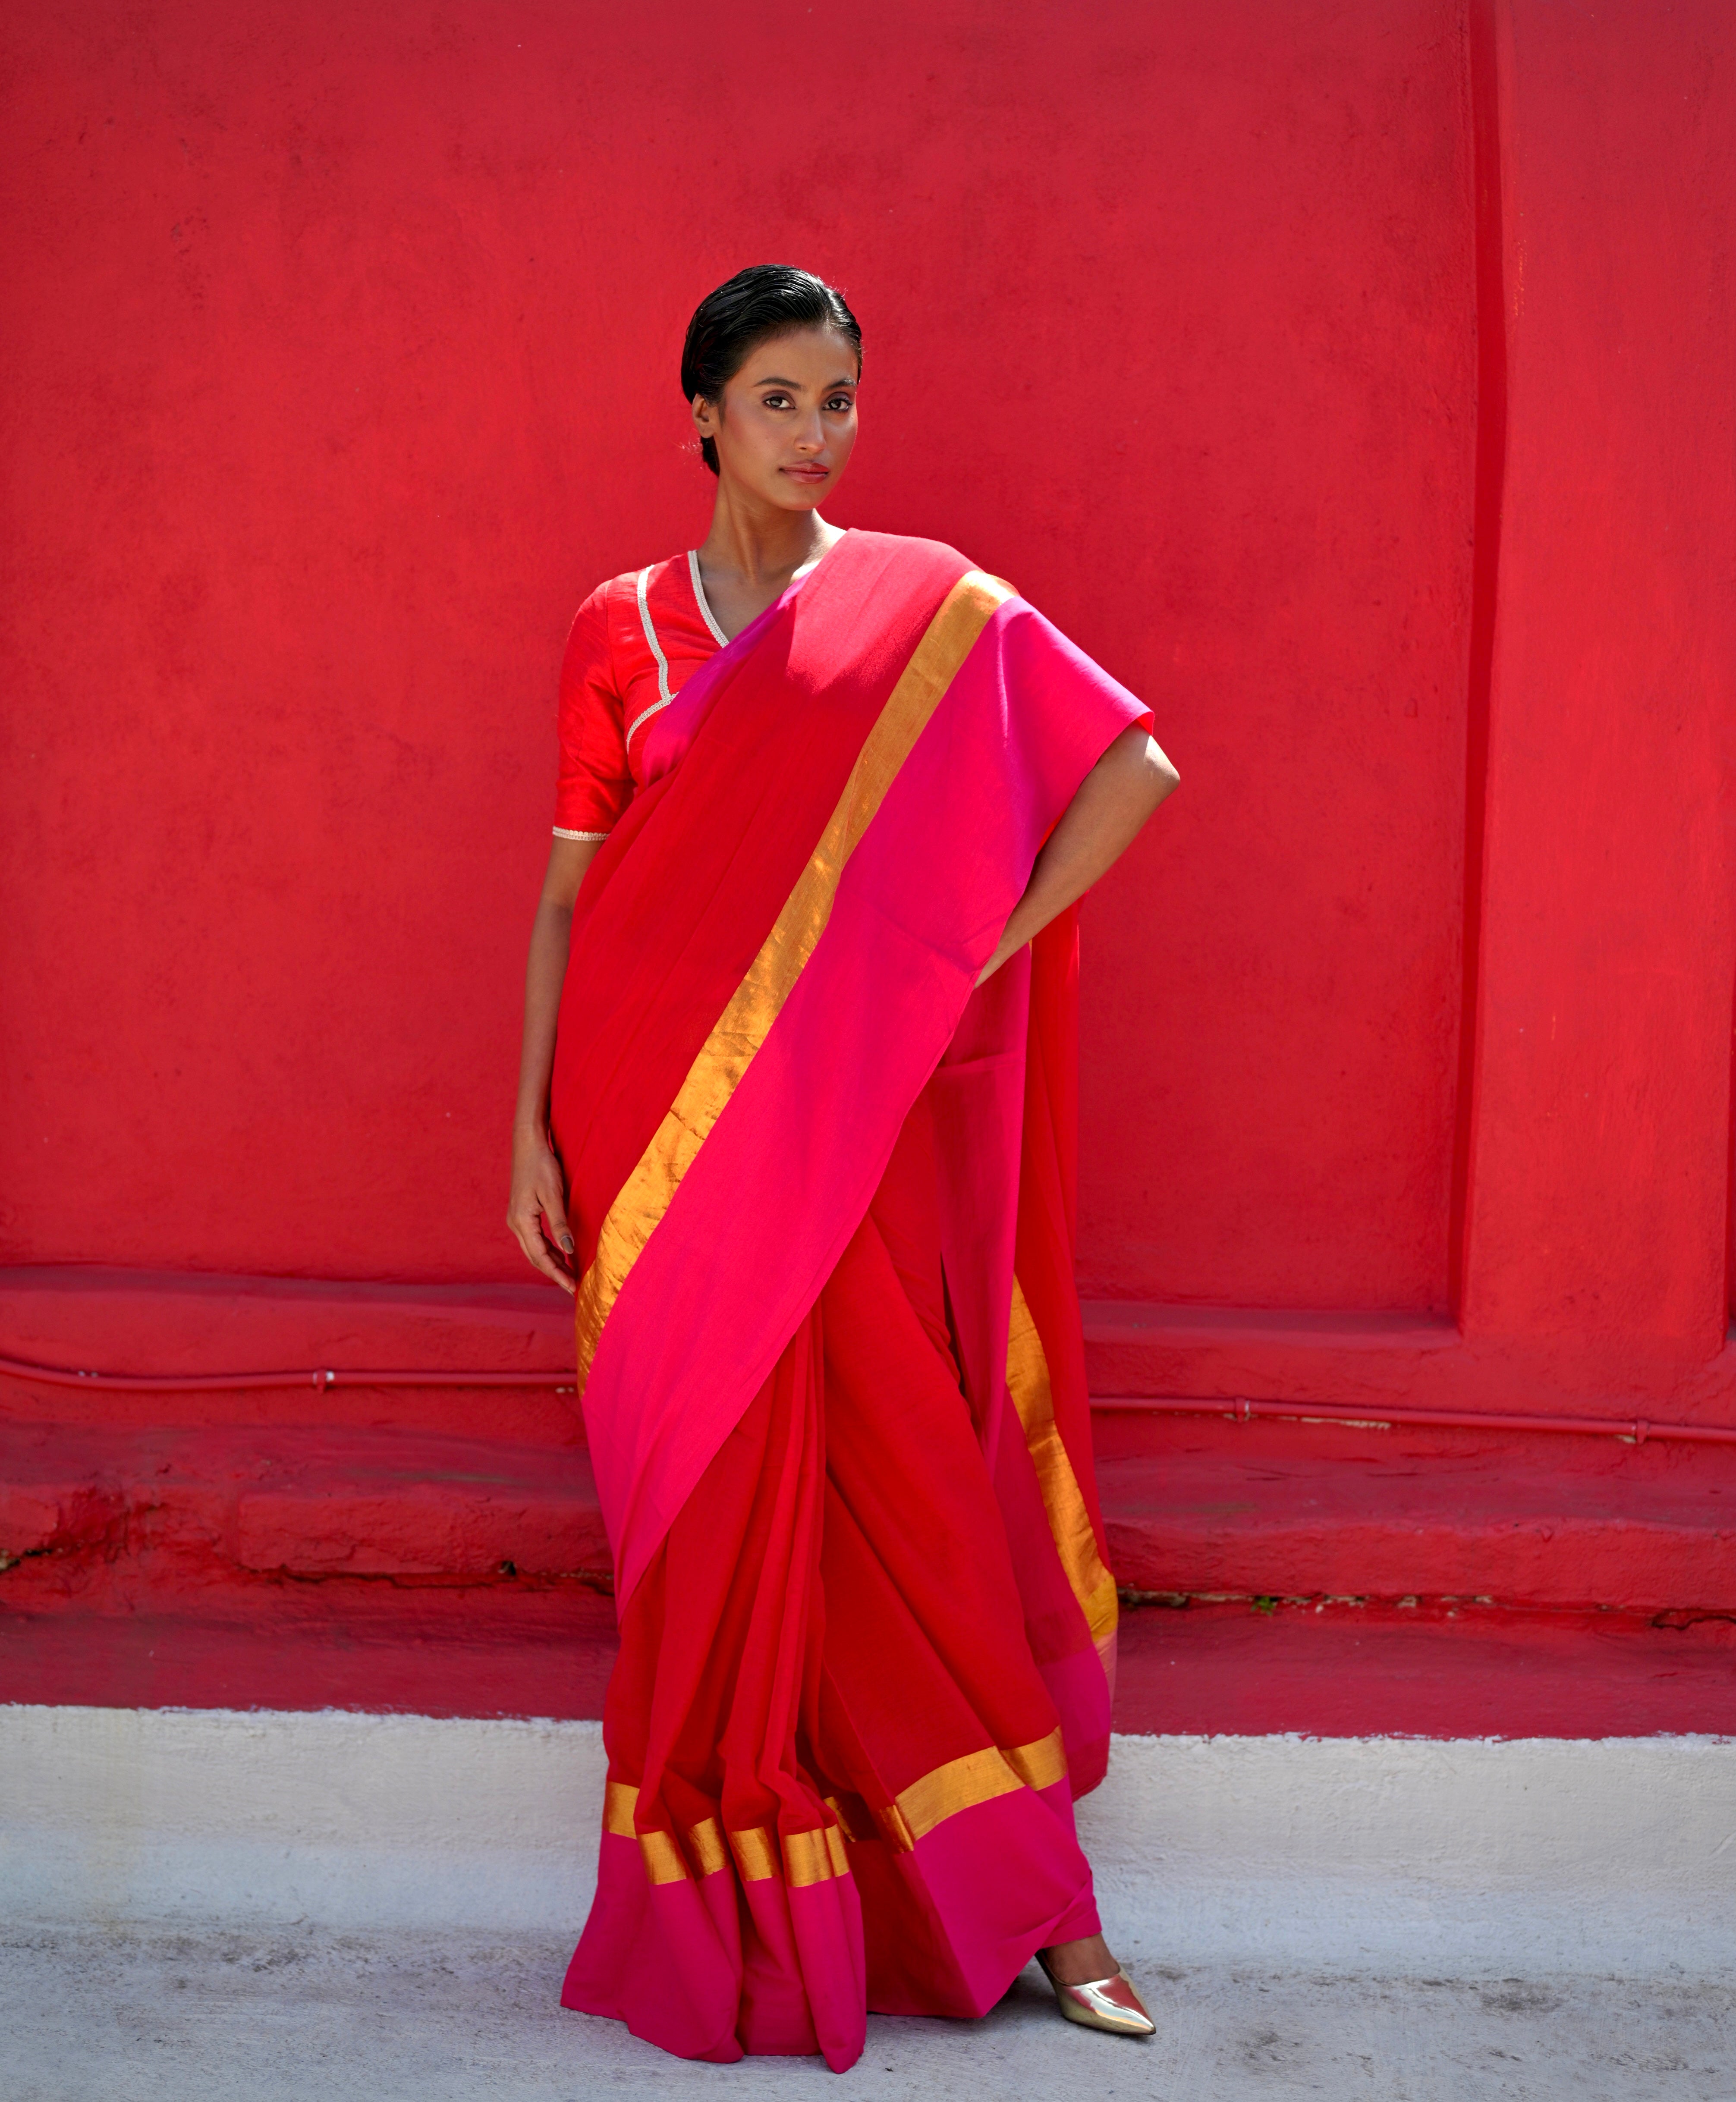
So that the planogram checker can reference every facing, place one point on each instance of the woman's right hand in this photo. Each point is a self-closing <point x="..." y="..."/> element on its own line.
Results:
<point x="536" y="1212"/>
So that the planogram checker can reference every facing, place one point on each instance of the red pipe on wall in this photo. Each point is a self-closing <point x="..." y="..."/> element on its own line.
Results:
<point x="235" y="1382"/>
<point x="1639" y="1428"/>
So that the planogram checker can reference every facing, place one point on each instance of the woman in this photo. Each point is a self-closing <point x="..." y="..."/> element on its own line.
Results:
<point x="794" y="1127"/>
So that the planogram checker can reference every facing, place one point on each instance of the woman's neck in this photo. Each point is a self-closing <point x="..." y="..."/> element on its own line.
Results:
<point x="759" y="547"/>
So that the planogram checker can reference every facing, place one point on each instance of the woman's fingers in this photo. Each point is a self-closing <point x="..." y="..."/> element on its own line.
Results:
<point x="524" y="1219"/>
<point x="528" y="1233"/>
<point x="540" y="1196"/>
<point x="554" y="1214"/>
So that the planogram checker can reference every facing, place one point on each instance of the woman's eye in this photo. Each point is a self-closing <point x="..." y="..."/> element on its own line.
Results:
<point x="841" y="404"/>
<point x="777" y="401"/>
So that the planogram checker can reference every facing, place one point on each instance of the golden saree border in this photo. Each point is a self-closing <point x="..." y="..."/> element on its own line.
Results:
<point x="816" y="1857"/>
<point x="847" y="1824"/>
<point x="1040" y="1765"/>
<point x="1069" y="1521"/>
<point x="746" y="1022"/>
<point x="756" y="1852"/>
<point x="961" y="1784"/>
<point x="663" y="1861"/>
<point x="706" y="1842"/>
<point x="800" y="1857"/>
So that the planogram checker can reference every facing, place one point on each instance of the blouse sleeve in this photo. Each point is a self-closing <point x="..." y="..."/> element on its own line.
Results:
<point x="595" y="785"/>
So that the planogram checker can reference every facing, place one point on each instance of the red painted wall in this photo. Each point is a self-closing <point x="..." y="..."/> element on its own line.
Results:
<point x="349" y="341"/>
<point x="1598" y="1128"/>
<point x="1351" y="380"/>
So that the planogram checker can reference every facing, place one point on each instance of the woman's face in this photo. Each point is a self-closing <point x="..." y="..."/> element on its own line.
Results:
<point x="787" y="423"/>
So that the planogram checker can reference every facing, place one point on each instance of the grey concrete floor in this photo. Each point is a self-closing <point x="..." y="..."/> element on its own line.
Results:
<point x="129" y="2014"/>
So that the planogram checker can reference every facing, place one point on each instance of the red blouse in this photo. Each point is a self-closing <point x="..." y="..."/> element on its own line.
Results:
<point x="635" y="642"/>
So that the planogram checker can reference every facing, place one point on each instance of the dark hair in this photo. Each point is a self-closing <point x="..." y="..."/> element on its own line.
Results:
<point x="766" y="299"/>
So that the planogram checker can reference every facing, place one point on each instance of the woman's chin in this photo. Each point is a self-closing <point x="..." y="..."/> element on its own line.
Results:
<point x="801" y="495"/>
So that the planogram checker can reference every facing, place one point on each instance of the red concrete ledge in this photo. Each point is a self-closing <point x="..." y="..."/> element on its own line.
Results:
<point x="381" y="1646"/>
<point x="1259" y="1510"/>
<point x="1335" y="1514"/>
<point x="1365" y="1358"/>
<point x="1224" y="1668"/>
<point x="1427" y="1671"/>
<point x="376" y="1568"/>
<point x="307" y="1501"/>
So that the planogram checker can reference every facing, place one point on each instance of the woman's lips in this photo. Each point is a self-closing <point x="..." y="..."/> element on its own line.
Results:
<point x="808" y="473"/>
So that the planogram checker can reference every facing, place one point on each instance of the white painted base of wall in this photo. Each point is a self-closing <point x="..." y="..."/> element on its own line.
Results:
<point x="1470" y="1857"/>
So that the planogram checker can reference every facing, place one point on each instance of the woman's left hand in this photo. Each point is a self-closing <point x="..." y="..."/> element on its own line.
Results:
<point x="1096" y="829"/>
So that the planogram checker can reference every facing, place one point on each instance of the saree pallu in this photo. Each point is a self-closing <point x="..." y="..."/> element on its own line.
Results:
<point x="830" y="1352"/>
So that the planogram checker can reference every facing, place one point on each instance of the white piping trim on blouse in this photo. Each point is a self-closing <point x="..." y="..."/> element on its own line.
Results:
<point x="560" y="832"/>
<point x="662" y="662"/>
<point x="698" y="593"/>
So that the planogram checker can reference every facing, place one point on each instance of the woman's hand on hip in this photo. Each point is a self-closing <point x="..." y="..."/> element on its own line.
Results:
<point x="1113" y="802"/>
<point x="536" y="1212"/>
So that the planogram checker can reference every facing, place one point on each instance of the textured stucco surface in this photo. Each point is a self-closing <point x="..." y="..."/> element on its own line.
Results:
<point x="292" y="1907"/>
<point x="1474" y="1857"/>
<point x="300" y="2015"/>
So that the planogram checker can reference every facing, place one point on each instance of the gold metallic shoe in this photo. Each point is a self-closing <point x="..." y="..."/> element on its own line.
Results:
<point x="1106" y="2003"/>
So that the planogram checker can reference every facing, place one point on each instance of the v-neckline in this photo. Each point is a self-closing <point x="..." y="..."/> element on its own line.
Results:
<point x="710" y="619"/>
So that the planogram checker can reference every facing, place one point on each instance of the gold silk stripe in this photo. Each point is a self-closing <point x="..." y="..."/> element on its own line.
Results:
<point x="756" y="1852"/>
<point x="663" y="1858"/>
<point x="1040" y="1765"/>
<point x="1069" y="1521"/>
<point x="962" y="1784"/>
<point x="893" y="1828"/>
<point x="705" y="1843"/>
<point x="804" y="1857"/>
<point x="959" y="1784"/>
<point x="620" y="1802"/>
<point x="745" y="1024"/>
<point x="844" y="1825"/>
<point x="814" y="1857"/>
<point x="801" y="1857"/>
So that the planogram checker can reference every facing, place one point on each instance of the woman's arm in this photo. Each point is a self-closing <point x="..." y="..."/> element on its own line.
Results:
<point x="1096" y="829"/>
<point x="536" y="1212"/>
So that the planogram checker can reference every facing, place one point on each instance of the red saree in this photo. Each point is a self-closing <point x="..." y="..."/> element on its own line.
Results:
<point x="832" y="1378"/>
